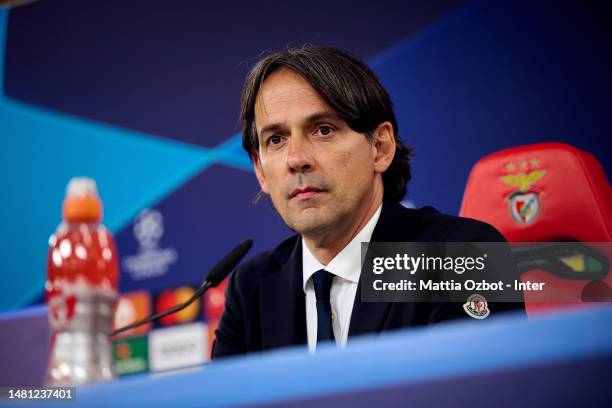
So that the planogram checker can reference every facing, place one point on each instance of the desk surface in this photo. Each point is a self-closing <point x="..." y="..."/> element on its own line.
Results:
<point x="562" y="358"/>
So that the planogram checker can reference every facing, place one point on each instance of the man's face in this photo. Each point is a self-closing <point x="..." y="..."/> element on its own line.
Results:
<point x="319" y="173"/>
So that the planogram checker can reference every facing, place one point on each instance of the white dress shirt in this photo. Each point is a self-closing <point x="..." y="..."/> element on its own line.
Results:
<point x="346" y="268"/>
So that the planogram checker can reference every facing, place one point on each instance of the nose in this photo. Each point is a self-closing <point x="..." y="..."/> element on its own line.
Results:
<point x="299" y="157"/>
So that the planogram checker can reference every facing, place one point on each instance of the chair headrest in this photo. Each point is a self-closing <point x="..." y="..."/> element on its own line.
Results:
<point x="541" y="192"/>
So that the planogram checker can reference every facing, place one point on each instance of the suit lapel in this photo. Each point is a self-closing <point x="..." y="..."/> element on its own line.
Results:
<point x="396" y="224"/>
<point x="283" y="303"/>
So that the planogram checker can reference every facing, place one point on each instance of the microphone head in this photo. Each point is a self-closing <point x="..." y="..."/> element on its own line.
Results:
<point x="228" y="263"/>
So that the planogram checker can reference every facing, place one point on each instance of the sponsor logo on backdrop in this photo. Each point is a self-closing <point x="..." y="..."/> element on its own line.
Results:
<point x="524" y="203"/>
<point x="151" y="260"/>
<point x="172" y="297"/>
<point x="133" y="306"/>
<point x="131" y="356"/>
<point x="214" y="301"/>
<point x="212" y="328"/>
<point x="178" y="346"/>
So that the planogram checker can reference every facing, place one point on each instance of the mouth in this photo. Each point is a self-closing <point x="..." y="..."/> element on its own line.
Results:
<point x="306" y="192"/>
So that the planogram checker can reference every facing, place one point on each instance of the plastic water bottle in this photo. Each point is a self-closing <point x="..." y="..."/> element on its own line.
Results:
<point x="81" y="290"/>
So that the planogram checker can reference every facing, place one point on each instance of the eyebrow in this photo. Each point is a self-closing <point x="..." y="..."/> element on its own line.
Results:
<point x="315" y="117"/>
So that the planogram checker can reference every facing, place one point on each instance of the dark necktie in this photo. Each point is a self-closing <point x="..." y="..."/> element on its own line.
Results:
<point x="322" y="281"/>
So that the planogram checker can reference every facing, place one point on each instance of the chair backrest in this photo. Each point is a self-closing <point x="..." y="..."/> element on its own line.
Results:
<point x="542" y="193"/>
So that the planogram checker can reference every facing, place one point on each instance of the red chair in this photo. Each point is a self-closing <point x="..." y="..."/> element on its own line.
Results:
<point x="545" y="192"/>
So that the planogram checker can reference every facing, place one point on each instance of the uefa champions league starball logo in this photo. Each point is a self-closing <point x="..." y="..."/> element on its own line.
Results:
<point x="151" y="260"/>
<point x="148" y="228"/>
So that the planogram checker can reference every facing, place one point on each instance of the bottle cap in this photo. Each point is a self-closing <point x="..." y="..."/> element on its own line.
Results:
<point x="81" y="187"/>
<point x="82" y="203"/>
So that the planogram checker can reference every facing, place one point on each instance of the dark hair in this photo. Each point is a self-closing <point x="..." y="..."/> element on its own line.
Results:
<point x="348" y="86"/>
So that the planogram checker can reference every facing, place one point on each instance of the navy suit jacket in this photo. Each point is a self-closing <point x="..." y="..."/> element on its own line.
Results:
<point x="265" y="306"/>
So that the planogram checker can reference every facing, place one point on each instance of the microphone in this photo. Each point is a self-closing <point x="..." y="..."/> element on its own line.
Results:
<point x="214" y="277"/>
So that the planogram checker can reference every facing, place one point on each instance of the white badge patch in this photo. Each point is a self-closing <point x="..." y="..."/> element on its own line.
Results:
<point x="476" y="307"/>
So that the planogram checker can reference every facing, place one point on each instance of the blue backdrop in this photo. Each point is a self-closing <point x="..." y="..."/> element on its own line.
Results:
<point x="143" y="96"/>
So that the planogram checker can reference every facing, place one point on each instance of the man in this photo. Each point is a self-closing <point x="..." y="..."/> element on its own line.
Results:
<point x="323" y="137"/>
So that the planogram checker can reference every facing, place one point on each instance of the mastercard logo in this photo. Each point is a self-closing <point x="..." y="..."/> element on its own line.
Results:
<point x="173" y="297"/>
<point x="132" y="306"/>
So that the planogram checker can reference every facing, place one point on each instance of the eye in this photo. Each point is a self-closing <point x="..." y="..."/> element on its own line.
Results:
<point x="274" y="139"/>
<point x="325" y="130"/>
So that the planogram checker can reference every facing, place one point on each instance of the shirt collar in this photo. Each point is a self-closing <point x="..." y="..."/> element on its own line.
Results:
<point x="347" y="263"/>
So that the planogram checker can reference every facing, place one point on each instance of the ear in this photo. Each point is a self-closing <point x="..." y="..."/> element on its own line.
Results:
<point x="259" y="173"/>
<point x="383" y="143"/>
